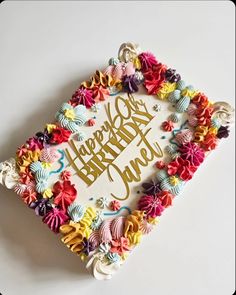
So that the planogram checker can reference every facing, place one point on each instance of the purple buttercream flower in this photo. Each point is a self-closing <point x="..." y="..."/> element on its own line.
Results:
<point x="43" y="137"/>
<point x="223" y="132"/>
<point x="87" y="247"/>
<point x="41" y="207"/>
<point x="151" y="188"/>
<point x="130" y="83"/>
<point x="171" y="76"/>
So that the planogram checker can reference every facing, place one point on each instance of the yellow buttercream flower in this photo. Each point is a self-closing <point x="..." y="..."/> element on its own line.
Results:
<point x="174" y="180"/>
<point x="134" y="237"/>
<point x="46" y="165"/>
<point x="47" y="193"/>
<point x="124" y="256"/>
<point x="200" y="133"/>
<point x="153" y="221"/>
<point x="137" y="63"/>
<point x="27" y="158"/>
<point x="83" y="256"/>
<point x="50" y="127"/>
<point x="212" y="130"/>
<point x="166" y="89"/>
<point x="188" y="92"/>
<point x="69" y="114"/>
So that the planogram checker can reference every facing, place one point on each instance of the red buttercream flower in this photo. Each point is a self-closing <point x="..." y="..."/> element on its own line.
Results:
<point x="166" y="198"/>
<point x="210" y="142"/>
<point x="160" y="164"/>
<point x="120" y="246"/>
<point x="182" y="167"/>
<point x="26" y="177"/>
<point x="65" y="193"/>
<point x="91" y="122"/>
<point x="200" y="100"/>
<point x="154" y="78"/>
<point x="59" y="135"/>
<point x="167" y="126"/>
<point x="204" y="116"/>
<point x="28" y="196"/>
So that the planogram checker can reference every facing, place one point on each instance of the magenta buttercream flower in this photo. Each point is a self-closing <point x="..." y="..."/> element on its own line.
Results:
<point x="151" y="205"/>
<point x="147" y="60"/>
<point x="55" y="218"/>
<point x="192" y="152"/>
<point x="34" y="144"/>
<point x="82" y="96"/>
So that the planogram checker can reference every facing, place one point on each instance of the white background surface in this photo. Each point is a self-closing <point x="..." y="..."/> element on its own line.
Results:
<point x="46" y="50"/>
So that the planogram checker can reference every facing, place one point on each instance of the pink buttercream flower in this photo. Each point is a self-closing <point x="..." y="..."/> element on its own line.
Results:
<point x="65" y="175"/>
<point x="151" y="205"/>
<point x="55" y="218"/>
<point x="182" y="167"/>
<point x="82" y="96"/>
<point x="120" y="246"/>
<point x="115" y="205"/>
<point x="147" y="60"/>
<point x="192" y="152"/>
<point x="100" y="93"/>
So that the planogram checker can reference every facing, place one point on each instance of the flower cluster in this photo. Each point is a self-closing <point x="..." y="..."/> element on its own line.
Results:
<point x="106" y="242"/>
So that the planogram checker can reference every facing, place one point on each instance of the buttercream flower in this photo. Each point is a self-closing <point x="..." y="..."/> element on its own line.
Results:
<point x="82" y="96"/>
<point x="26" y="159"/>
<point x="120" y="246"/>
<point x="165" y="90"/>
<point x="91" y="122"/>
<point x="192" y="152"/>
<point x="65" y="175"/>
<point x="55" y="218"/>
<point x="151" y="205"/>
<point x="171" y="76"/>
<point x="29" y="196"/>
<point x="200" y="100"/>
<point x="100" y="93"/>
<point x="160" y="164"/>
<point x="114" y="205"/>
<point x="204" y="116"/>
<point x="59" y="135"/>
<point x="223" y="132"/>
<point x="26" y="177"/>
<point x="9" y="176"/>
<point x="166" y="198"/>
<point x="210" y="142"/>
<point x="154" y="78"/>
<point x="167" y="126"/>
<point x="148" y="60"/>
<point x="130" y="84"/>
<point x="87" y="247"/>
<point x="34" y="144"/>
<point x="70" y="117"/>
<point x="43" y="137"/>
<point x="65" y="193"/>
<point x="41" y="207"/>
<point x="21" y="151"/>
<point x="200" y="133"/>
<point x="151" y="188"/>
<point x="182" y="167"/>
